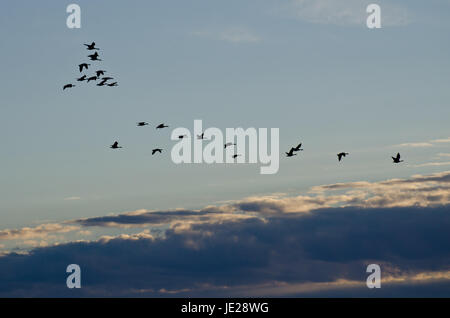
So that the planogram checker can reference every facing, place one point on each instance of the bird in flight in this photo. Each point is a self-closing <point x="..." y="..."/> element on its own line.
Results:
<point x="94" y="57"/>
<point x="83" y="65"/>
<point x="91" y="46"/>
<point x="235" y="156"/>
<point x="156" y="150"/>
<point x="115" y="145"/>
<point x="112" y="84"/>
<point x="107" y="78"/>
<point x="160" y="126"/>
<point x="228" y="144"/>
<point x="68" y="86"/>
<point x="82" y="78"/>
<point x="100" y="73"/>
<point x="202" y="136"/>
<point x="341" y="154"/>
<point x="102" y="83"/>
<point x="142" y="123"/>
<point x="291" y="153"/>
<point x="298" y="148"/>
<point x="92" y="78"/>
<point x="182" y="136"/>
<point x="397" y="159"/>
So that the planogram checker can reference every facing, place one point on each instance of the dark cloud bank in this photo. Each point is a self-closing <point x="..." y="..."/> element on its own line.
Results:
<point x="234" y="258"/>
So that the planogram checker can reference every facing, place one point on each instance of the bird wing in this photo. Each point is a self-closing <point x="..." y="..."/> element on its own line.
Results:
<point x="398" y="156"/>
<point x="339" y="157"/>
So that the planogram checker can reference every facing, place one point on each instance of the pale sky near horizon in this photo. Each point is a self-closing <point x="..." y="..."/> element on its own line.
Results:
<point x="324" y="79"/>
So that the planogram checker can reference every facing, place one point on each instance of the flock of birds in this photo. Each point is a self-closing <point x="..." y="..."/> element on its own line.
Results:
<point x="99" y="74"/>
<point x="292" y="152"/>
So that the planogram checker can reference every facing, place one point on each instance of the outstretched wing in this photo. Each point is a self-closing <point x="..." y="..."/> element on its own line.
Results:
<point x="339" y="156"/>
<point x="398" y="156"/>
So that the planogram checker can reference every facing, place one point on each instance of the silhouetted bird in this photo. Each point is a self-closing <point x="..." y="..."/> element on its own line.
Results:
<point x="182" y="136"/>
<point x="228" y="144"/>
<point x="156" y="150"/>
<point x="103" y="82"/>
<point x="341" y="154"/>
<point x="397" y="159"/>
<point x="100" y="73"/>
<point x="160" y="126"/>
<point x="94" y="57"/>
<point x="92" y="78"/>
<point x="115" y="145"/>
<point x="291" y="153"/>
<point x="91" y="46"/>
<point x="68" y="86"/>
<point x="298" y="148"/>
<point x="142" y="123"/>
<point x="106" y="78"/>
<point x="202" y="136"/>
<point x="83" y="65"/>
<point x="82" y="78"/>
<point x="112" y="84"/>
<point x="235" y="156"/>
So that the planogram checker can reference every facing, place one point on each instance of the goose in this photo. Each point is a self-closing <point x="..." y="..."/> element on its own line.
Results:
<point x="228" y="144"/>
<point x="115" y="145"/>
<point x="68" y="86"/>
<point x="341" y="154"/>
<point x="142" y="123"/>
<point x="291" y="153"/>
<point x="397" y="159"/>
<point x="91" y="46"/>
<point x="83" y="65"/>
<point x="156" y="150"/>
<point x="160" y="126"/>
<point x="82" y="78"/>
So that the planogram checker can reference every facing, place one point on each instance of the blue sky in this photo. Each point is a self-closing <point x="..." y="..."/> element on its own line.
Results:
<point x="310" y="68"/>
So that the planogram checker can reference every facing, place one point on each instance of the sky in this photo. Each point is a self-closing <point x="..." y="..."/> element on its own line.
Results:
<point x="308" y="67"/>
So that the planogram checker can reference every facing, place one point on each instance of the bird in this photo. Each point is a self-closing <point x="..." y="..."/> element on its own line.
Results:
<point x="291" y="153"/>
<point x="298" y="148"/>
<point x="341" y="154"/>
<point x="94" y="57"/>
<point x="68" y="86"/>
<point x="235" y="156"/>
<point x="228" y="144"/>
<point x="103" y="82"/>
<point x="397" y="159"/>
<point x="82" y="78"/>
<point x="182" y="136"/>
<point x="107" y="78"/>
<point x="83" y="65"/>
<point x="202" y="136"/>
<point x="112" y="84"/>
<point x="161" y="126"/>
<point x="100" y="73"/>
<point x="142" y="123"/>
<point x="92" y="78"/>
<point x="156" y="150"/>
<point x="115" y="145"/>
<point x="91" y="46"/>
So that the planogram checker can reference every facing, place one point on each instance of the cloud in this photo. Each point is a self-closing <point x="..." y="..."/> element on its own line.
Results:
<point x="347" y="12"/>
<point x="432" y="164"/>
<point x="41" y="231"/>
<point x="327" y="250"/>
<point x="232" y="35"/>
<point x="445" y="140"/>
<point x="415" y="144"/>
